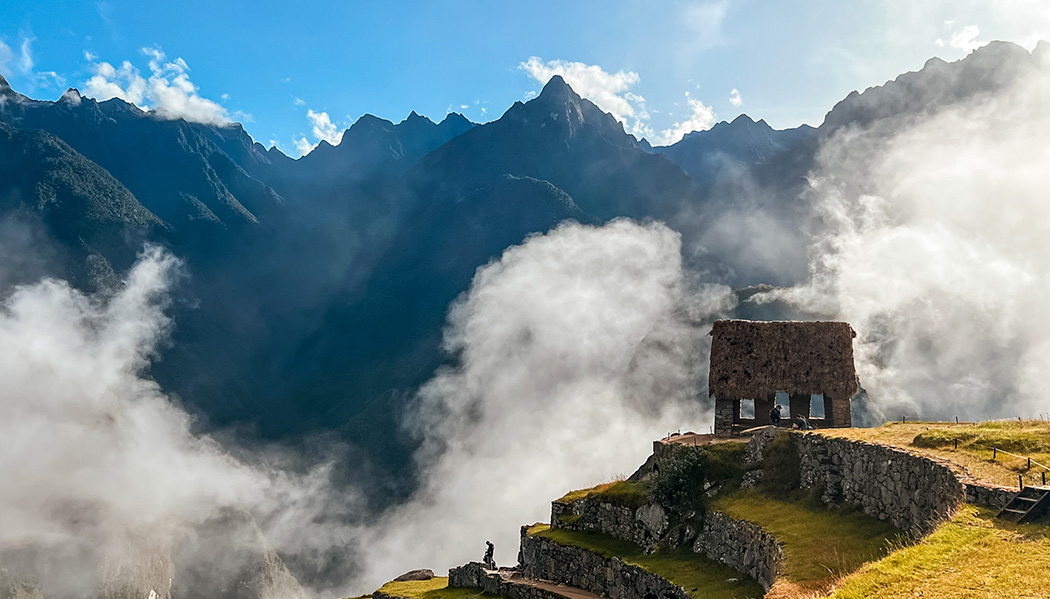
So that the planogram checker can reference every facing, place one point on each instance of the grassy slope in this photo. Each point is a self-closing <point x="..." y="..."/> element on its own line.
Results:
<point x="625" y="493"/>
<point x="820" y="545"/>
<point x="972" y="556"/>
<point x="435" y="588"/>
<point x="702" y="577"/>
<point x="1029" y="438"/>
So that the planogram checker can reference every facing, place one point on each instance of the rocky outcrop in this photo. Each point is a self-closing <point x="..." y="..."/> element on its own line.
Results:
<point x="742" y="546"/>
<point x="914" y="492"/>
<point x="580" y="568"/>
<point x="757" y="443"/>
<point x="412" y="575"/>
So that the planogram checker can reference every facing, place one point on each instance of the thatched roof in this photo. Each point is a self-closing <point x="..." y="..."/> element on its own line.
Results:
<point x="756" y="359"/>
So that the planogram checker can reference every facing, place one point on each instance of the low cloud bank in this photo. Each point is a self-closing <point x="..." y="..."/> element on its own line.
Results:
<point x="106" y="475"/>
<point x="937" y="249"/>
<point x="576" y="349"/>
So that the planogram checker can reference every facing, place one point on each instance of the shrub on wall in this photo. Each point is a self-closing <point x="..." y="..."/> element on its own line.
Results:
<point x="687" y="472"/>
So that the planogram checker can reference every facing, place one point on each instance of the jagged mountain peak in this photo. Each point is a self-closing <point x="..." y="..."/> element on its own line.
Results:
<point x="938" y="83"/>
<point x="4" y="85"/>
<point x="557" y="89"/>
<point x="415" y="117"/>
<point x="560" y="108"/>
<point x="455" y="118"/>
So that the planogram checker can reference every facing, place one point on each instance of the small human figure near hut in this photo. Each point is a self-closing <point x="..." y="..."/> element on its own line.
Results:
<point x="774" y="415"/>
<point x="489" y="561"/>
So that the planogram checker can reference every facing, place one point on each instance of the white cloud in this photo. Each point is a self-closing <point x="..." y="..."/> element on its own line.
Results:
<point x="298" y="101"/>
<point x="734" y="98"/>
<point x="965" y="39"/>
<point x="612" y="93"/>
<point x="108" y="468"/>
<point x="125" y="83"/>
<point x="168" y="90"/>
<point x="541" y="371"/>
<point x="937" y="250"/>
<point x="590" y="81"/>
<point x="90" y="56"/>
<point x="322" y="128"/>
<point x="701" y="117"/>
<point x="26" y="66"/>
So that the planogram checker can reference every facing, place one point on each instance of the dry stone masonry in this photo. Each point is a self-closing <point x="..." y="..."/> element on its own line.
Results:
<point x="504" y="582"/>
<point x="914" y="492"/>
<point x="742" y="546"/>
<point x="610" y="577"/>
<point x="643" y="526"/>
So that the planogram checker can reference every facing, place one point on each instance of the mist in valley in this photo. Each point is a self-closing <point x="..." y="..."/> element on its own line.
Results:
<point x="928" y="230"/>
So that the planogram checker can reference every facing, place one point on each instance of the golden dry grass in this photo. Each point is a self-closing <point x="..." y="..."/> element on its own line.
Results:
<point x="973" y="556"/>
<point x="975" y="442"/>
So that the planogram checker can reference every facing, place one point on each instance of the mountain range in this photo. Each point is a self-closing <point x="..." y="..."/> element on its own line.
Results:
<point x="318" y="287"/>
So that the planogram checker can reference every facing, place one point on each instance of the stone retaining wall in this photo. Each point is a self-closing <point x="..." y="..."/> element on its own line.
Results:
<point x="914" y="492"/>
<point x="743" y="546"/>
<point x="503" y="582"/>
<point x="643" y="526"/>
<point x="583" y="569"/>
<point x="988" y="495"/>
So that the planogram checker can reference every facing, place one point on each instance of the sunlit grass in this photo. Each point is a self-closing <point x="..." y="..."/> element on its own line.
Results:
<point x="972" y="556"/>
<point x="820" y="545"/>
<point x="975" y="444"/>
<point x="435" y="588"/>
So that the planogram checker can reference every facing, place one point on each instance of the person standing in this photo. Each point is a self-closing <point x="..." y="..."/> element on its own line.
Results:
<point x="490" y="562"/>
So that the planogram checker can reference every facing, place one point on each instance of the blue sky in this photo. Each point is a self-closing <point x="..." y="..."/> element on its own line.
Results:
<point x="294" y="72"/>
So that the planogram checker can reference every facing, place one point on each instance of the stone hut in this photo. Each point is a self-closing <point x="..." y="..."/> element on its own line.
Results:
<point x="755" y="361"/>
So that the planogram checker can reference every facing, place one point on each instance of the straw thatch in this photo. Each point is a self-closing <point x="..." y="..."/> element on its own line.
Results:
<point x="757" y="359"/>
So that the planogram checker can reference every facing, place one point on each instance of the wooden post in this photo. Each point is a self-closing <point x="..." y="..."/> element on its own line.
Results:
<point x="1020" y="482"/>
<point x="993" y="454"/>
<point x="1044" y="478"/>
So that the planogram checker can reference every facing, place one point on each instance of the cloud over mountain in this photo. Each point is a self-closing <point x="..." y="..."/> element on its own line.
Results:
<point x="168" y="90"/>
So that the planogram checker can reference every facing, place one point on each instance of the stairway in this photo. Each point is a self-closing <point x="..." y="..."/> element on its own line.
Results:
<point x="1029" y="504"/>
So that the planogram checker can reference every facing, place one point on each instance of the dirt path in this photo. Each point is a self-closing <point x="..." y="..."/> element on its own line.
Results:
<point x="560" y="589"/>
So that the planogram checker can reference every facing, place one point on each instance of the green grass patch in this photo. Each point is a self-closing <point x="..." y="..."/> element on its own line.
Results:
<point x="435" y="588"/>
<point x="622" y="492"/>
<point x="574" y="496"/>
<point x="973" y="555"/>
<point x="626" y="493"/>
<point x="700" y="576"/>
<point x="820" y="545"/>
